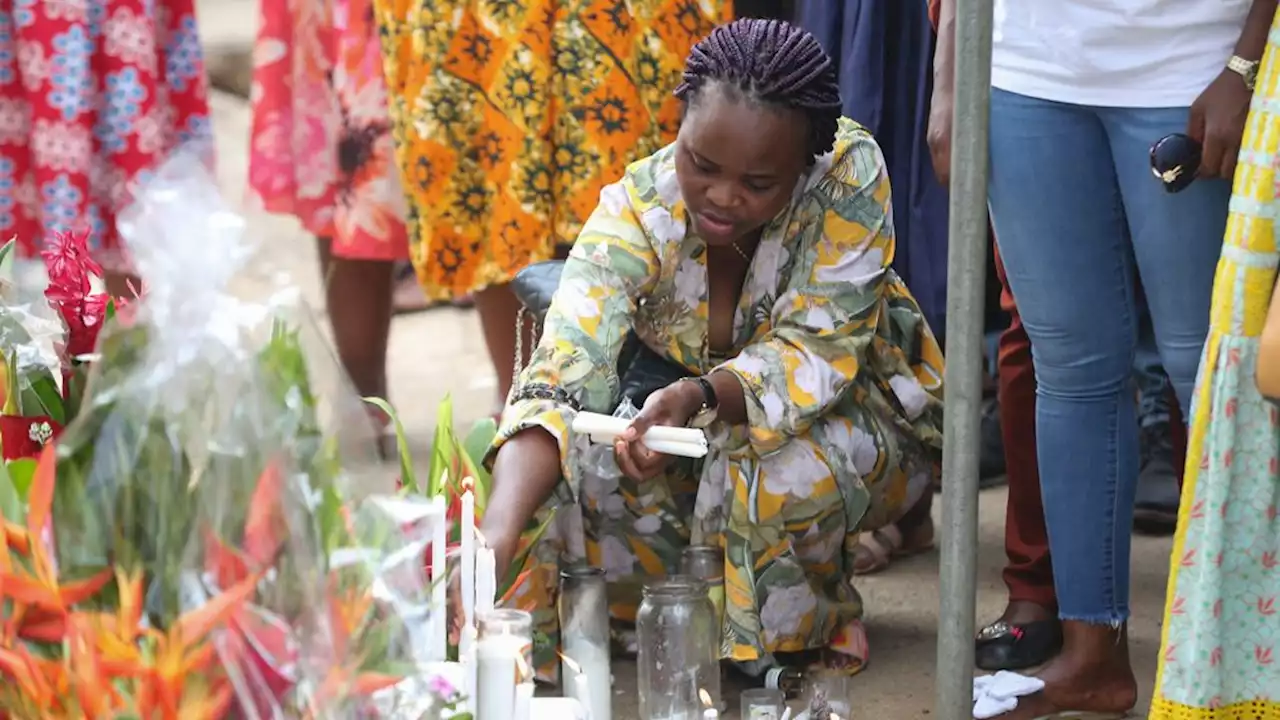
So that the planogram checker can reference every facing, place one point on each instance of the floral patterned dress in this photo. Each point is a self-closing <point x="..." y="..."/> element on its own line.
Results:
<point x="511" y="115"/>
<point x="843" y="383"/>
<point x="93" y="95"/>
<point x="1220" y="657"/>
<point x="322" y="148"/>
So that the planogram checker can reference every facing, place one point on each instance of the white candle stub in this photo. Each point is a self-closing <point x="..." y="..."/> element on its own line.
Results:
<point x="710" y="713"/>
<point x="588" y="676"/>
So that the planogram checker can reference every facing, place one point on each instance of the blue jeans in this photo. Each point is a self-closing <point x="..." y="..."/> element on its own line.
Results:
<point x="1077" y="213"/>
<point x="1148" y="373"/>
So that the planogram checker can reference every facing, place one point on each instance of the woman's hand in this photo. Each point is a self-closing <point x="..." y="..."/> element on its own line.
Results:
<point x="674" y="405"/>
<point x="1217" y="122"/>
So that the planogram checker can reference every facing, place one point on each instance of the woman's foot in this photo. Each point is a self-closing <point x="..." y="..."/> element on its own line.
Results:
<point x="1026" y="635"/>
<point x="1091" y="675"/>
<point x="407" y="296"/>
<point x="909" y="536"/>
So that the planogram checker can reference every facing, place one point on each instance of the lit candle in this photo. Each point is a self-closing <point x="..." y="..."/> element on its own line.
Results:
<point x="439" y="582"/>
<point x="710" y="713"/>
<point x="468" y="554"/>
<point x="576" y="683"/>
<point x="524" y="701"/>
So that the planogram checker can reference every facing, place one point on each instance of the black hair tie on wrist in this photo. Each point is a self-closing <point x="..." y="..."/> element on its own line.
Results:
<point x="1175" y="160"/>
<point x="543" y="391"/>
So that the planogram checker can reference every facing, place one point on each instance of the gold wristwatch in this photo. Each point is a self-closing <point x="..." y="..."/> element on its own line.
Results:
<point x="1246" y="69"/>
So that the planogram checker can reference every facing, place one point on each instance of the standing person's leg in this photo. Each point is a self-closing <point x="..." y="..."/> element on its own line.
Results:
<point x="1156" y="507"/>
<point x="357" y="297"/>
<point x="1028" y="632"/>
<point x="1064" y="243"/>
<point x="1176" y="241"/>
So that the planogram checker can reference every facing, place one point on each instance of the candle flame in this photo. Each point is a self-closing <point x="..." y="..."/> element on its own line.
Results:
<point x="570" y="663"/>
<point x="468" y="484"/>
<point x="523" y="671"/>
<point x="704" y="696"/>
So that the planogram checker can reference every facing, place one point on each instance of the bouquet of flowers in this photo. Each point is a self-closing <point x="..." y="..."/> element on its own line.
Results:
<point x="199" y="542"/>
<point x="34" y="344"/>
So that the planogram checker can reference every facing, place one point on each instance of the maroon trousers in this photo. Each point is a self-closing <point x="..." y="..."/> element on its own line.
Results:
<point x="1029" y="572"/>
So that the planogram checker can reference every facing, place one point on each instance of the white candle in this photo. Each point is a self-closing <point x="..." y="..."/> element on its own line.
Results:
<point x="587" y="664"/>
<point x="524" y="701"/>
<point x="439" y="583"/>
<point x="710" y="713"/>
<point x="603" y="426"/>
<point x="486" y="580"/>
<point x="496" y="659"/>
<point x="468" y="522"/>
<point x="467" y="657"/>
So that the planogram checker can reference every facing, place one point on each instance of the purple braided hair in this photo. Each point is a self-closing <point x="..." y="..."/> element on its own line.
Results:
<point x="771" y="62"/>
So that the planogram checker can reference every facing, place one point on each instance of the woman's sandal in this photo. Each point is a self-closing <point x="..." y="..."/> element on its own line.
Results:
<point x="878" y="548"/>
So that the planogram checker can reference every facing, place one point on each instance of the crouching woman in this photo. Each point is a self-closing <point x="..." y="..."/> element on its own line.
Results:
<point x="754" y="254"/>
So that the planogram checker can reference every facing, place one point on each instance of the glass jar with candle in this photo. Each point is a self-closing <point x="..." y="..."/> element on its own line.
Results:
<point x="829" y="694"/>
<point x="585" y="673"/>
<point x="504" y="662"/>
<point x="706" y="563"/>
<point x="679" y="642"/>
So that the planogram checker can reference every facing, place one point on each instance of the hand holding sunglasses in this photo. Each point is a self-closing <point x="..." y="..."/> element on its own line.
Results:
<point x="1175" y="161"/>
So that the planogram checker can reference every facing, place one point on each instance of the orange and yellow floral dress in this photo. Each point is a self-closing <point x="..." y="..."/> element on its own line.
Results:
<point x="511" y="115"/>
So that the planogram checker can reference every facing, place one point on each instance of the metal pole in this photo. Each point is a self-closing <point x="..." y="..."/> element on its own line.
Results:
<point x="966" y="276"/>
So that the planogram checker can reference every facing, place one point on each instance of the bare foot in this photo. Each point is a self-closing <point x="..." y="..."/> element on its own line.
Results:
<point x="1085" y="678"/>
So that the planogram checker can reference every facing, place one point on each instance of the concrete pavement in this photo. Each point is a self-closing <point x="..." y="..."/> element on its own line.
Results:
<point x="441" y="352"/>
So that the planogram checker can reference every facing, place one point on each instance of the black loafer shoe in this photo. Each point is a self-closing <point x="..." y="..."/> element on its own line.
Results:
<point x="1005" y="646"/>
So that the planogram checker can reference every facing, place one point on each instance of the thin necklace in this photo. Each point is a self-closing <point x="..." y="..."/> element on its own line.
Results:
<point x="738" y="250"/>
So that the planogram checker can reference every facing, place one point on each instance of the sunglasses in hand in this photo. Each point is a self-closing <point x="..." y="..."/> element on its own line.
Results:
<point x="1175" y="161"/>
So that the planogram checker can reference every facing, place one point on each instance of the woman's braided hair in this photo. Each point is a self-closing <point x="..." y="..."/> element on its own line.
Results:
<point x="771" y="62"/>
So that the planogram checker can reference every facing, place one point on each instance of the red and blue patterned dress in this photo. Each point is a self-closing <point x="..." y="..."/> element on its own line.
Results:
<point x="93" y="95"/>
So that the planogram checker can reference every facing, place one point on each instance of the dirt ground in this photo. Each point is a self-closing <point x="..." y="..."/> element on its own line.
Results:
<point x="442" y="351"/>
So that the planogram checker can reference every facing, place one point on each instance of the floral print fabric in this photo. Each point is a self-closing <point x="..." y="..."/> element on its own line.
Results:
<point x="511" y="115"/>
<point x="93" y="95"/>
<point x="1220" y="656"/>
<point x="843" y="382"/>
<point x="322" y="149"/>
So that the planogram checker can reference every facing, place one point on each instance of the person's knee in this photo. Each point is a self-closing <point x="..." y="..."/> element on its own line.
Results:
<point x="1088" y="370"/>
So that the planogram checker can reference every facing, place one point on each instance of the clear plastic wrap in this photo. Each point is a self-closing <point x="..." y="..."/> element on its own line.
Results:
<point x="214" y="505"/>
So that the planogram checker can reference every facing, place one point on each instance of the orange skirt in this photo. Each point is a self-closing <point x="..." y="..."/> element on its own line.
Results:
<point x="511" y="116"/>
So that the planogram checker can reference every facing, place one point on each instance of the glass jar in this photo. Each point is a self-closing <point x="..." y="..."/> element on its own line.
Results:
<point x="679" y="642"/>
<point x="584" y="636"/>
<point x="762" y="704"/>
<point x="706" y="563"/>
<point x="829" y="693"/>
<point x="504" y="663"/>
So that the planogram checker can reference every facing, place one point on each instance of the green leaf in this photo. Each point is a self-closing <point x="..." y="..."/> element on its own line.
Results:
<point x="407" y="478"/>
<point x="6" y="260"/>
<point x="10" y="502"/>
<point x="21" y="472"/>
<point x="476" y="445"/>
<point x="48" y="398"/>
<point x="444" y="452"/>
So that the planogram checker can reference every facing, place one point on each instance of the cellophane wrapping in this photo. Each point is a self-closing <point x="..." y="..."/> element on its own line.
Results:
<point x="219" y="488"/>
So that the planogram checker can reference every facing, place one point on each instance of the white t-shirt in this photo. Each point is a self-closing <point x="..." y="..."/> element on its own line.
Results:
<point x="1114" y="53"/>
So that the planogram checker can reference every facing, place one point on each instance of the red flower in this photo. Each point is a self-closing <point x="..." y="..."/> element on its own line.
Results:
<point x="25" y="437"/>
<point x="68" y="261"/>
